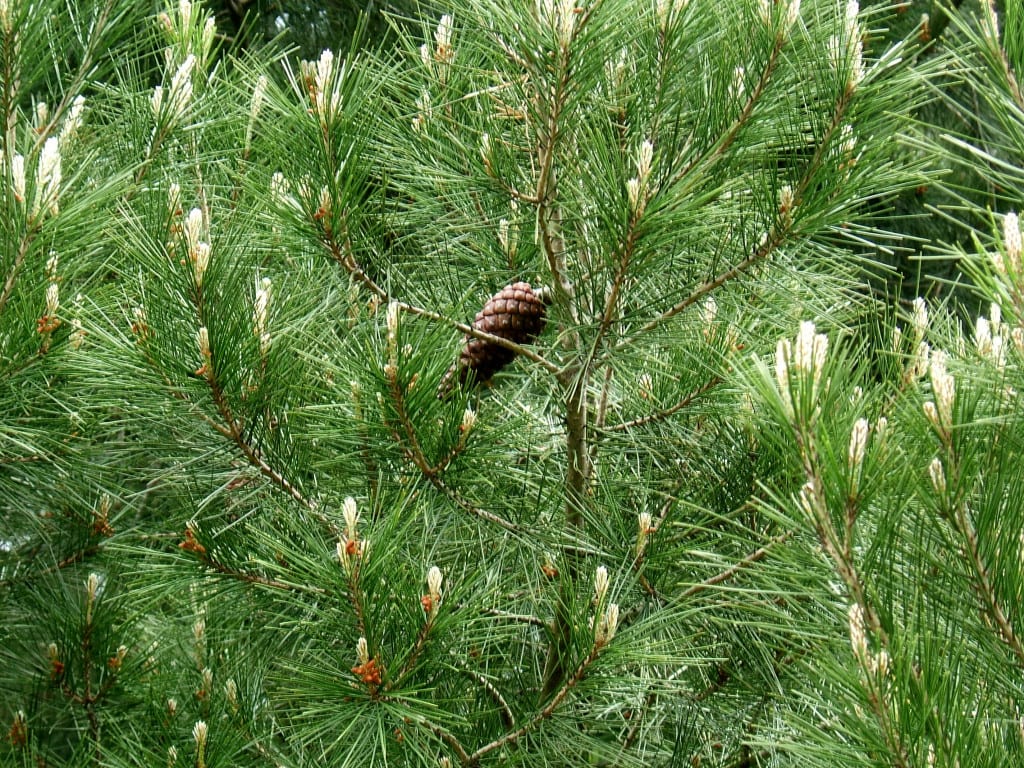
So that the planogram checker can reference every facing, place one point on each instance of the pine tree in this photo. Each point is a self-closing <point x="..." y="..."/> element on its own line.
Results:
<point x="691" y="497"/>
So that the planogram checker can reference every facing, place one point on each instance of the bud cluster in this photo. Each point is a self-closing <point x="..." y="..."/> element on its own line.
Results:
<point x="788" y="14"/>
<point x="56" y="665"/>
<point x="847" y="49"/>
<point x="114" y="662"/>
<point x="174" y="107"/>
<point x="423" y="111"/>
<point x="73" y="121"/>
<point x="261" y="313"/>
<point x="918" y="362"/>
<point x="846" y="149"/>
<point x="48" y="177"/>
<point x="203" y="342"/>
<point x="351" y="550"/>
<point x="645" y="528"/>
<point x="858" y="445"/>
<point x="812" y="500"/>
<point x="231" y="693"/>
<point x="940" y="410"/>
<point x="367" y="669"/>
<point x="560" y="16"/>
<point x="638" y="188"/>
<point x="645" y="385"/>
<point x="6" y="20"/>
<point x="437" y="59"/>
<point x="1011" y="264"/>
<point x="323" y="80"/>
<point x="738" y="86"/>
<point x="508" y="232"/>
<point x="42" y="116"/>
<point x="607" y="620"/>
<point x="432" y="599"/>
<point x="196" y="230"/>
<point x="140" y="325"/>
<point x="937" y="474"/>
<point x="799" y="365"/>
<point x="255" y="106"/>
<point x="92" y="589"/>
<point x="49" y="321"/>
<point x="708" y="316"/>
<point x="188" y="33"/>
<point x="200" y="733"/>
<point x="990" y="336"/>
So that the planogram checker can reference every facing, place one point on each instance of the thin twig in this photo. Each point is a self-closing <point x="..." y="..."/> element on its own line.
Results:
<point x="233" y="429"/>
<point x="702" y="290"/>
<point x="625" y="259"/>
<point x="732" y="570"/>
<point x="686" y="400"/>
<point x="254" y="578"/>
<point x="777" y="234"/>
<point x="719" y="149"/>
<point x="414" y="450"/>
<point x="983" y="583"/>
<point x="508" y="719"/>
<point x="520" y="617"/>
<point x="19" y="260"/>
<point x="449" y="739"/>
<point x="549" y="709"/>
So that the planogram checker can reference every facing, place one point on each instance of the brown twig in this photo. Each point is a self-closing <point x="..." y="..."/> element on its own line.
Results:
<point x="686" y="400"/>
<point x="758" y="554"/>
<point x="233" y="429"/>
<point x="414" y="654"/>
<point x="716" y="151"/>
<point x="72" y="89"/>
<point x="549" y="709"/>
<point x="520" y="617"/>
<point x="778" y="234"/>
<point x="448" y="738"/>
<point x="254" y="578"/>
<point x="982" y="579"/>
<point x="414" y="452"/>
<point x="758" y="254"/>
<point x="508" y="719"/>
<point x="19" y="260"/>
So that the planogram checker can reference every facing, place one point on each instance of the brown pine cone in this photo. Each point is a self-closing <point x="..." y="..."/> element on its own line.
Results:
<point x="516" y="313"/>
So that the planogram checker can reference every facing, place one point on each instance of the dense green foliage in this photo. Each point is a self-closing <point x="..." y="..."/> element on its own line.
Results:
<point x="730" y="508"/>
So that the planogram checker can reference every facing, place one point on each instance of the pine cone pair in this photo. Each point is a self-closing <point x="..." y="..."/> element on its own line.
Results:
<point x="516" y="313"/>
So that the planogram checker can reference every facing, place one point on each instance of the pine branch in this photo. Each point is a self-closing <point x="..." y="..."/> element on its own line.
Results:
<point x="718" y="150"/>
<point x="760" y="253"/>
<point x="85" y="67"/>
<point x="249" y="577"/>
<point x="343" y="254"/>
<point x="524" y="618"/>
<point x="546" y="712"/>
<point x="19" y="259"/>
<point x="233" y="429"/>
<point x="722" y="576"/>
<point x="980" y="577"/>
<point x="507" y="718"/>
<point x="683" y="402"/>
<point x="775" y="238"/>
